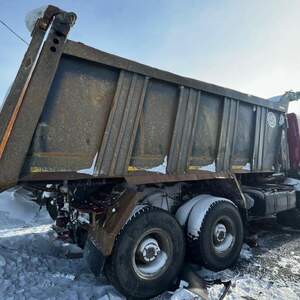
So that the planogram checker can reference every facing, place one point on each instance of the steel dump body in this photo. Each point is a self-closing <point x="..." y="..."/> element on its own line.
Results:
<point x="119" y="117"/>
<point x="118" y="150"/>
<point x="106" y="116"/>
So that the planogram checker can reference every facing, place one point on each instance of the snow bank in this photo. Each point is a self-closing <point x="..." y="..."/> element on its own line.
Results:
<point x="32" y="266"/>
<point x="17" y="204"/>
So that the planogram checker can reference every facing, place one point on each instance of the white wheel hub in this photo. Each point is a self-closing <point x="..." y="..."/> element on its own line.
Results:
<point x="220" y="232"/>
<point x="151" y="255"/>
<point x="148" y="250"/>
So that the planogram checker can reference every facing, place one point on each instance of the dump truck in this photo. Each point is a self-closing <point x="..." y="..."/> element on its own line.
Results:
<point x="142" y="168"/>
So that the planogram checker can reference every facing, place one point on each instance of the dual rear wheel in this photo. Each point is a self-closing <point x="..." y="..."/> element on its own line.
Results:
<point x="220" y="237"/>
<point x="148" y="254"/>
<point x="150" y="250"/>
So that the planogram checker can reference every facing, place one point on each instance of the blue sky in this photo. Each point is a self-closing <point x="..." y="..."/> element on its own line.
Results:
<point x="252" y="46"/>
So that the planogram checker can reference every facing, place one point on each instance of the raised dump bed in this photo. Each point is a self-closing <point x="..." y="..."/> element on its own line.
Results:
<point x="134" y="163"/>
<point x="80" y="111"/>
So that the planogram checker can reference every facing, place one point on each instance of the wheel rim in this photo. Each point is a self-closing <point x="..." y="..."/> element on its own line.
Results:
<point x="152" y="254"/>
<point x="223" y="235"/>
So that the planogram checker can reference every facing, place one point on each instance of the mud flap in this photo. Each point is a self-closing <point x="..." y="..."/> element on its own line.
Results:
<point x="94" y="258"/>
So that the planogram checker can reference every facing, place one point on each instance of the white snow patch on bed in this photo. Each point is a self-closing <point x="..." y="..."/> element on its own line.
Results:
<point x="162" y="168"/>
<point x="247" y="167"/>
<point x="211" y="167"/>
<point x="91" y="169"/>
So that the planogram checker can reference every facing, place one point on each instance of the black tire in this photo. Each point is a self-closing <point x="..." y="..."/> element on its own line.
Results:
<point x="52" y="209"/>
<point x="122" y="266"/>
<point x="207" y="249"/>
<point x="289" y="218"/>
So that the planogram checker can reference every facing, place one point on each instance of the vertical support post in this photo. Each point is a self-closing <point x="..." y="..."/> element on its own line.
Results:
<point x="31" y="88"/>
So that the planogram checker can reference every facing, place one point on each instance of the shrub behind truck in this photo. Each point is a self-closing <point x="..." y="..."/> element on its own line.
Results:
<point x="140" y="167"/>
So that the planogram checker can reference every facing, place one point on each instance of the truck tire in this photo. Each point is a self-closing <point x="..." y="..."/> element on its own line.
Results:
<point x="289" y="218"/>
<point x="148" y="254"/>
<point x="220" y="238"/>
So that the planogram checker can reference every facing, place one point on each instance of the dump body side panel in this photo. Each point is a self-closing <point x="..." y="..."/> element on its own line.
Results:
<point x="109" y="117"/>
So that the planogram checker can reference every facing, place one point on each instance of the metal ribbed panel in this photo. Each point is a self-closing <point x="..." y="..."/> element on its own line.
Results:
<point x="259" y="138"/>
<point x="183" y="134"/>
<point x="227" y="134"/>
<point x="121" y="127"/>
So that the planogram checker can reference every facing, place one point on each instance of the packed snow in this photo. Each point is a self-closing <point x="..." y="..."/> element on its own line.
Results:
<point x="162" y="168"/>
<point x="33" y="265"/>
<point x="33" y="16"/>
<point x="91" y="169"/>
<point x="211" y="167"/>
<point x="247" y="167"/>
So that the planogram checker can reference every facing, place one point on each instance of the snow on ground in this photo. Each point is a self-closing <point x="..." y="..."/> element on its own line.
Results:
<point x="269" y="271"/>
<point x="33" y="266"/>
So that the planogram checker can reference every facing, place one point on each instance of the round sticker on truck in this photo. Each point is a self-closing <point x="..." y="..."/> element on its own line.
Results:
<point x="271" y="119"/>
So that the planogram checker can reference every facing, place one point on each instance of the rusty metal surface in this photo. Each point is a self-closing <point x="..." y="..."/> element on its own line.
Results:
<point x="122" y="124"/>
<point x="15" y="97"/>
<point x="139" y="178"/>
<point x="73" y="121"/>
<point x="128" y="123"/>
<point x="17" y="91"/>
<point x="80" y="50"/>
<point x="184" y="130"/>
<point x="89" y="113"/>
<point x="26" y="100"/>
<point x="103" y="234"/>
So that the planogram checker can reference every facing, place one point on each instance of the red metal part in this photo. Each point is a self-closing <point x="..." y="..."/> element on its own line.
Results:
<point x="293" y="135"/>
